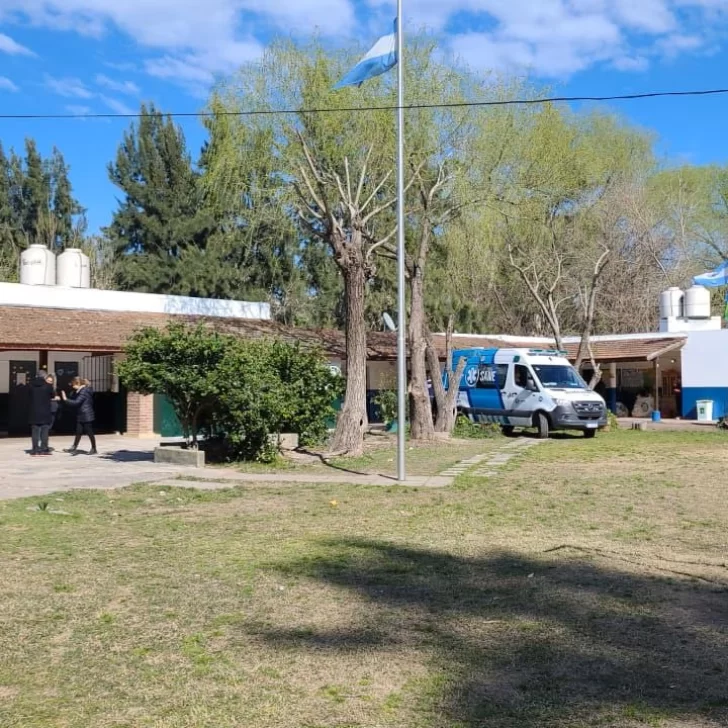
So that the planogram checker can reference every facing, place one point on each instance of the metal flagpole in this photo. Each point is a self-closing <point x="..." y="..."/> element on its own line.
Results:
<point x="401" y="299"/>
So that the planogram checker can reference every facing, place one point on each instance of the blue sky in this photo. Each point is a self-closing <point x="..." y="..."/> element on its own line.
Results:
<point x="83" y="56"/>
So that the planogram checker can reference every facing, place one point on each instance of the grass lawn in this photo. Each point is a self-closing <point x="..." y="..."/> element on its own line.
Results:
<point x="380" y="458"/>
<point x="585" y="585"/>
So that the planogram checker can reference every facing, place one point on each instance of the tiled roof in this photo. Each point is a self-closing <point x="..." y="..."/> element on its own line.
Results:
<point x="617" y="349"/>
<point x="107" y="331"/>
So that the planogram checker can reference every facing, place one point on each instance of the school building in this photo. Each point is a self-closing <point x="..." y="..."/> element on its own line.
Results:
<point x="82" y="332"/>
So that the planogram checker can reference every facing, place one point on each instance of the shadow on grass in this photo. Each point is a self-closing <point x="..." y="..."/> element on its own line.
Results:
<point x="522" y="642"/>
<point x="327" y="462"/>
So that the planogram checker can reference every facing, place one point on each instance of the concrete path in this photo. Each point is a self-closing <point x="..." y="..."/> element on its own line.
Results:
<point x="121" y="462"/>
<point x="124" y="461"/>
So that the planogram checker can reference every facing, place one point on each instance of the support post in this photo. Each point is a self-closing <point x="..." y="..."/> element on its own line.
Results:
<point x="401" y="298"/>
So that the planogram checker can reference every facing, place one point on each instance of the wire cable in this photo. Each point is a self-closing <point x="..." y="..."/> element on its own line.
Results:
<point x="392" y="107"/>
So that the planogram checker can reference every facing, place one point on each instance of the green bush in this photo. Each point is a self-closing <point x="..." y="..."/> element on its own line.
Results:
<point x="242" y="391"/>
<point x="386" y="402"/>
<point x="465" y="429"/>
<point x="311" y="390"/>
<point x="180" y="362"/>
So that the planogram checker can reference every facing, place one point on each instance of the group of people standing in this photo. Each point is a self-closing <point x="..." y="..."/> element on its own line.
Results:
<point x="45" y="403"/>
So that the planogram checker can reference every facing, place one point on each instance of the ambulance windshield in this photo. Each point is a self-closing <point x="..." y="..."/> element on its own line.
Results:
<point x="559" y="376"/>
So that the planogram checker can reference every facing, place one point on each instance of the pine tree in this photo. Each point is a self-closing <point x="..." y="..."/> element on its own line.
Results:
<point x="64" y="207"/>
<point x="161" y="217"/>
<point x="8" y="247"/>
<point x="36" y="194"/>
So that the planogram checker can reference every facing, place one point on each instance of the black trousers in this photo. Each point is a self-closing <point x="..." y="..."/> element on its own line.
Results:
<point x="85" y="428"/>
<point x="39" y="433"/>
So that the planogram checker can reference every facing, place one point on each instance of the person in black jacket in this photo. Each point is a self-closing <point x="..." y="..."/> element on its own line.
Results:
<point x="40" y="416"/>
<point x="55" y="404"/>
<point x="82" y="400"/>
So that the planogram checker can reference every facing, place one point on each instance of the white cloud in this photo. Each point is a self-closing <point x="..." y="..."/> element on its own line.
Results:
<point x="118" y="107"/>
<point x="191" y="41"/>
<point x="7" y="85"/>
<point x="122" y="87"/>
<point x="557" y="38"/>
<point x="673" y="45"/>
<point x="631" y="63"/>
<point x="214" y="32"/>
<point x="13" y="48"/>
<point x="168" y="67"/>
<point x="68" y="87"/>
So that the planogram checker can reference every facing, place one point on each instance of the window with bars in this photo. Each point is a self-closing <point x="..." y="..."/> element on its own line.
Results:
<point x="99" y="370"/>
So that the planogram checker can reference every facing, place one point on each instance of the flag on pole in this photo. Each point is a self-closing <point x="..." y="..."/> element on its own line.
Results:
<point x="714" y="279"/>
<point x="380" y="59"/>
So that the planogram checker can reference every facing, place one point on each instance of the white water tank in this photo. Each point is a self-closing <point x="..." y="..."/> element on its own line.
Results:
<point x="74" y="270"/>
<point x="672" y="303"/>
<point x="697" y="303"/>
<point x="38" y="266"/>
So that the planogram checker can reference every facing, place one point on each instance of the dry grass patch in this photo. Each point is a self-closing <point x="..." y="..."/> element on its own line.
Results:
<point x="380" y="458"/>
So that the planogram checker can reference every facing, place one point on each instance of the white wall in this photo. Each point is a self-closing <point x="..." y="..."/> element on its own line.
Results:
<point x="705" y="359"/>
<point x="682" y="325"/>
<point x="91" y="299"/>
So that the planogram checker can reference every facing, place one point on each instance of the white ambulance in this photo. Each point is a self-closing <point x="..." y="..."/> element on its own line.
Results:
<point x="527" y="388"/>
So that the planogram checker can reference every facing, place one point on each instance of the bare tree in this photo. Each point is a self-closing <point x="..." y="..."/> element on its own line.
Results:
<point x="445" y="399"/>
<point x="341" y="210"/>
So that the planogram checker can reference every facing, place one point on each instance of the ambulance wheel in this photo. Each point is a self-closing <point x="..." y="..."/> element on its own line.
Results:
<point x="508" y="430"/>
<point x="542" y="423"/>
<point x="589" y="434"/>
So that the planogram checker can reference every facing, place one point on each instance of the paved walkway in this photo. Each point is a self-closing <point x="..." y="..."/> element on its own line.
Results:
<point x="121" y="462"/>
<point x="124" y="461"/>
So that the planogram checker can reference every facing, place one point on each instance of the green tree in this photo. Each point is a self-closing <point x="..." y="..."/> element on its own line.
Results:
<point x="181" y="363"/>
<point x="255" y="245"/>
<point x="64" y="207"/>
<point x="161" y="216"/>
<point x="244" y="390"/>
<point x="333" y="174"/>
<point x="35" y="195"/>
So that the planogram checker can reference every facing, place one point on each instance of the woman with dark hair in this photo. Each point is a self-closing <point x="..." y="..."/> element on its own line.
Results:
<point x="82" y="400"/>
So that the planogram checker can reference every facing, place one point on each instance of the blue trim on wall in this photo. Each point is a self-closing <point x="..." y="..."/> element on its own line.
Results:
<point x="690" y="396"/>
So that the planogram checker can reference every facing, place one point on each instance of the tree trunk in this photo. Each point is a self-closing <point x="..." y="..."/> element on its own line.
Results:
<point x="352" y="422"/>
<point x="446" y="399"/>
<point x="423" y="427"/>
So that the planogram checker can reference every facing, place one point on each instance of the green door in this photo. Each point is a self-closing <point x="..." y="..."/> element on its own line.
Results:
<point x="166" y="422"/>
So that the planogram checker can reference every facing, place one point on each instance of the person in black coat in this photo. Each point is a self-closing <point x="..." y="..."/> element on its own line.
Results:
<point x="40" y="414"/>
<point x="82" y="400"/>
<point x="55" y="403"/>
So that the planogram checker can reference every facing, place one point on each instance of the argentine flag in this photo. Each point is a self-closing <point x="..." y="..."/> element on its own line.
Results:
<point x="714" y="279"/>
<point x="379" y="60"/>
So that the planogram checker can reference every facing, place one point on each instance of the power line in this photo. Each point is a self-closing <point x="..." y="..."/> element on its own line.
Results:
<point x="389" y="107"/>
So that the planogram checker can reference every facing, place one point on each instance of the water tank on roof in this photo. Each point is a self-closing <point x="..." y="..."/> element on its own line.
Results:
<point x="697" y="303"/>
<point x="38" y="266"/>
<point x="74" y="270"/>
<point x="672" y="303"/>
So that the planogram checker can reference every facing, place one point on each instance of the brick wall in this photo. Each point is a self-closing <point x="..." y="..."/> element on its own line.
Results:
<point x="139" y="415"/>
